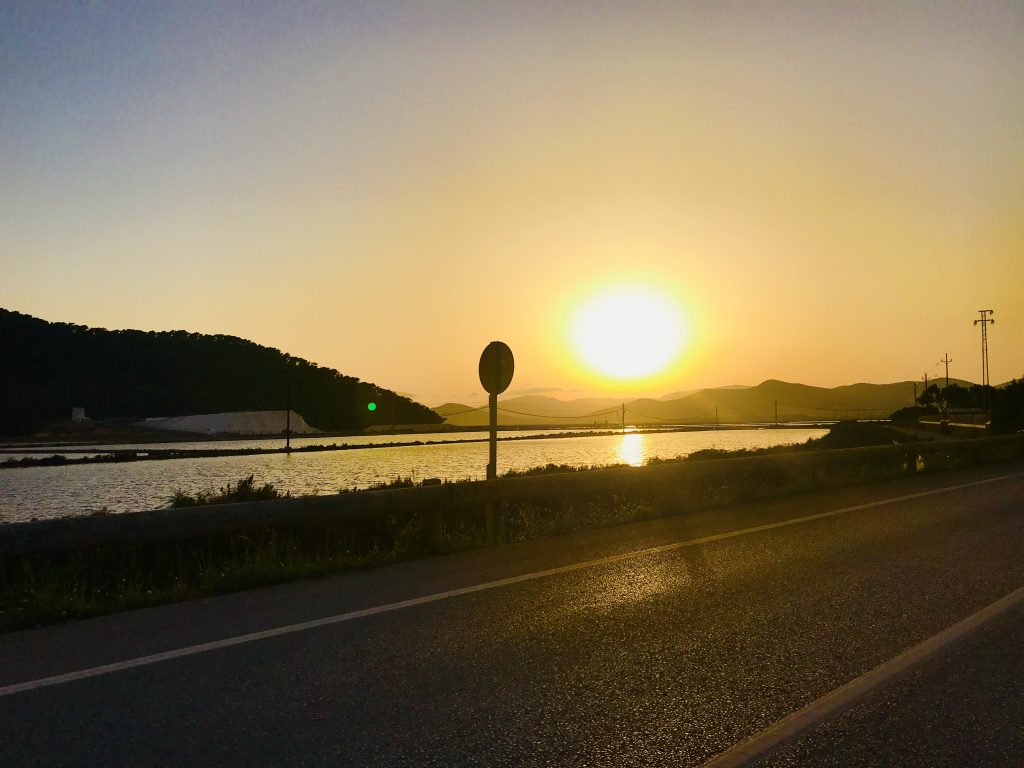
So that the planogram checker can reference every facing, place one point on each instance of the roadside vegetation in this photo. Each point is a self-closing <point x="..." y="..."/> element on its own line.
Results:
<point x="1005" y="405"/>
<point x="244" y="490"/>
<point x="48" y="587"/>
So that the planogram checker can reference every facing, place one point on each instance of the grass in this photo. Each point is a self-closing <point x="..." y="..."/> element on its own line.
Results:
<point x="44" y="588"/>
<point x="244" y="490"/>
<point x="398" y="482"/>
<point x="556" y="469"/>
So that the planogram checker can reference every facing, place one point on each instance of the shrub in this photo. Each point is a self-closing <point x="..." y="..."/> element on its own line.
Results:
<point x="244" y="490"/>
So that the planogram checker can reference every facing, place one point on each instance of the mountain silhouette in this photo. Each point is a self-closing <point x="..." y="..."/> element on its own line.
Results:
<point x="734" y="404"/>
<point x="50" y="368"/>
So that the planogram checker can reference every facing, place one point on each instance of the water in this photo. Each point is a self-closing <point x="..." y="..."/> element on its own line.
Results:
<point x="42" y="492"/>
<point x="77" y="450"/>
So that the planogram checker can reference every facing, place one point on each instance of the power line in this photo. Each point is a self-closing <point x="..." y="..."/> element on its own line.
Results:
<point x="456" y="413"/>
<point x="822" y="408"/>
<point x="786" y="405"/>
<point x="648" y="416"/>
<point x="624" y="409"/>
<point x="557" y="416"/>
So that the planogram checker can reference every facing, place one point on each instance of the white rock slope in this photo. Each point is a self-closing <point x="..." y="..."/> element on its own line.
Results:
<point x="238" y="423"/>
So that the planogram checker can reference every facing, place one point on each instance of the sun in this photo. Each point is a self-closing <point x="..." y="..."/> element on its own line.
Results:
<point x="628" y="332"/>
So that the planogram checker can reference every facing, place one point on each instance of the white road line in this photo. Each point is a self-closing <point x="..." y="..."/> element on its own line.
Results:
<point x="228" y="642"/>
<point x="789" y="728"/>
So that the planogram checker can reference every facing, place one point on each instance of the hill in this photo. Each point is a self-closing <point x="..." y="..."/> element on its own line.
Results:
<point x="685" y="393"/>
<point x="49" y="368"/>
<point x="734" y="404"/>
<point x="796" y="402"/>
<point x="548" y="407"/>
<point x="534" y="410"/>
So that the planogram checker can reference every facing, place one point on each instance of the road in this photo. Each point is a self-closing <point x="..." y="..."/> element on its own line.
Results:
<point x="632" y="646"/>
<point x="963" y="709"/>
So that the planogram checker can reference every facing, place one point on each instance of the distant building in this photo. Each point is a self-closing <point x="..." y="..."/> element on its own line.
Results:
<point x="78" y="415"/>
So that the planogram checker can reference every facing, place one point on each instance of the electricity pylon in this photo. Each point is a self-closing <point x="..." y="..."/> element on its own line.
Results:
<point x="985" y="319"/>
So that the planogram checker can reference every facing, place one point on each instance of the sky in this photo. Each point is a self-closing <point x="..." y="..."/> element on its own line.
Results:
<point x="819" y="192"/>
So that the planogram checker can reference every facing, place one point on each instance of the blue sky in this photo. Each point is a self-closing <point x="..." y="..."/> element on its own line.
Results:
<point x="827" y="192"/>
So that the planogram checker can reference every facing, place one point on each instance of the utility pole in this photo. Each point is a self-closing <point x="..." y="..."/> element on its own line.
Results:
<point x="985" y="319"/>
<point x="623" y="417"/>
<point x="915" y="393"/>
<point x="288" y="418"/>
<point x="492" y="453"/>
<point x="947" y="360"/>
<point x="776" y="413"/>
<point x="717" y="426"/>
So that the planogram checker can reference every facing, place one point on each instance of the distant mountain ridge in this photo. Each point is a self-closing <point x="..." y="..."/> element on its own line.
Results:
<point x="529" y="410"/>
<point x="794" y="402"/>
<point x="49" y="368"/>
<point x="732" y="404"/>
<point x="688" y="392"/>
<point x="550" y="406"/>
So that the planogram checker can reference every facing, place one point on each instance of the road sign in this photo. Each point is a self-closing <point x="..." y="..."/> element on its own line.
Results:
<point x="496" y="367"/>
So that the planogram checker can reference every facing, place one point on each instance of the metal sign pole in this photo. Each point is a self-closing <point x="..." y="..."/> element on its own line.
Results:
<point x="496" y="367"/>
<point x="492" y="463"/>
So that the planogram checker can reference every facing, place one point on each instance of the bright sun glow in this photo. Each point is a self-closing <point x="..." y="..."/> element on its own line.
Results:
<point x="628" y="333"/>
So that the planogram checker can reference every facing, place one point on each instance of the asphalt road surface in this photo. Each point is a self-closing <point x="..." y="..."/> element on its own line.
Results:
<point x="965" y="708"/>
<point x="628" y="646"/>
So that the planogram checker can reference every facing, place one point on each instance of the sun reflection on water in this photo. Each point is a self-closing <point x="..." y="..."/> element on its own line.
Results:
<point x="631" y="450"/>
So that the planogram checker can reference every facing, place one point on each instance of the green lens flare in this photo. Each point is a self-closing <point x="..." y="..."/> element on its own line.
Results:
<point x="371" y="407"/>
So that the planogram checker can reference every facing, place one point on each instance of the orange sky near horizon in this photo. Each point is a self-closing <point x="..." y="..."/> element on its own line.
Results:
<point x="827" y="193"/>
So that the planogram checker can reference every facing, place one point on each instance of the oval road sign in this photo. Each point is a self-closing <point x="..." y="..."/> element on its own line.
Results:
<point x="496" y="367"/>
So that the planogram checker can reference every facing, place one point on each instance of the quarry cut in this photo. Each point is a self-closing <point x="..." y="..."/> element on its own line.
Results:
<point x="237" y="423"/>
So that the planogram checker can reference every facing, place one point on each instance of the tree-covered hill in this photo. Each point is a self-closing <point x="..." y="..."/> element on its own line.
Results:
<point x="49" y="368"/>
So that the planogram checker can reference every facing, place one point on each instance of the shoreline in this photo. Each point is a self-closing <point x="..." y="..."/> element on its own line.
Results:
<point x="149" y="437"/>
<point x="164" y="454"/>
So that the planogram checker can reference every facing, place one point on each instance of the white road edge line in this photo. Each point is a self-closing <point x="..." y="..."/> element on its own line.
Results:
<point x="192" y="650"/>
<point x="776" y="736"/>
